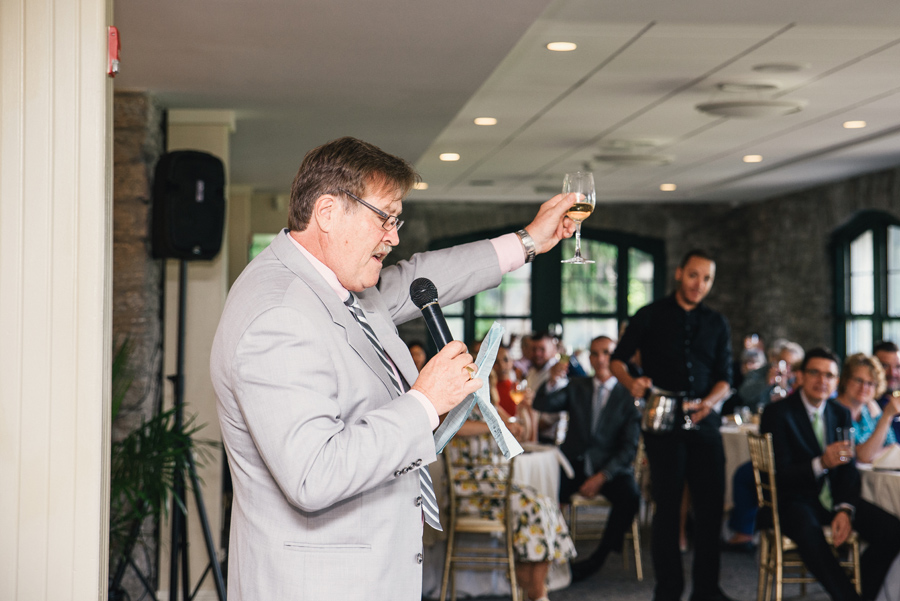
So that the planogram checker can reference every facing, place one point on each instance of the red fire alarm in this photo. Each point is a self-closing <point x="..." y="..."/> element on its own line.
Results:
<point x="115" y="45"/>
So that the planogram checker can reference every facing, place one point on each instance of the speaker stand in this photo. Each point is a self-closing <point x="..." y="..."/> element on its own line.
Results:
<point x="179" y="541"/>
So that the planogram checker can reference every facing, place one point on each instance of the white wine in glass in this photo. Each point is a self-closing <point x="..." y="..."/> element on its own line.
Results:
<point x="582" y="184"/>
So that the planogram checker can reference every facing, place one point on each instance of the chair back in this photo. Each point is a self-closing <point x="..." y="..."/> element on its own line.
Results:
<point x="762" y="457"/>
<point x="479" y="482"/>
<point x="639" y="460"/>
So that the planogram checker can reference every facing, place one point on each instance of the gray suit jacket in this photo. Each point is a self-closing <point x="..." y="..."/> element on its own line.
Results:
<point x="315" y="433"/>
<point x="612" y="445"/>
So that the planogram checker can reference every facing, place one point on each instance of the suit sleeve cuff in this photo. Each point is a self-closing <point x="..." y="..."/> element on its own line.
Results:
<point x="509" y="251"/>
<point x="557" y="384"/>
<point x="433" y="417"/>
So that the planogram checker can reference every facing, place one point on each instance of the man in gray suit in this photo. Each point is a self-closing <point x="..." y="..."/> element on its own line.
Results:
<point x="326" y="421"/>
<point x="601" y="442"/>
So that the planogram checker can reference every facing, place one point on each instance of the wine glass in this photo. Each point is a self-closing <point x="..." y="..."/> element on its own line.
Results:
<point x="517" y="392"/>
<point x="582" y="184"/>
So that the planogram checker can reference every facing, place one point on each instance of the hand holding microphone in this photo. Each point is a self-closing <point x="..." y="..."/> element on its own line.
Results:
<point x="447" y="378"/>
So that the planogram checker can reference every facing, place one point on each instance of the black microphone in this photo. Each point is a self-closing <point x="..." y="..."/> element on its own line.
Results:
<point x="425" y="296"/>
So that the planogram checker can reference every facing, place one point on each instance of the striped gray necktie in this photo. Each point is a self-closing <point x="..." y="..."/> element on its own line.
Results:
<point x="429" y="505"/>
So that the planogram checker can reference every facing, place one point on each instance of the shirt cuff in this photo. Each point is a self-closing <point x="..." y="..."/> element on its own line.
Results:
<point x="510" y="251"/>
<point x="846" y="506"/>
<point x="433" y="417"/>
<point x="817" y="467"/>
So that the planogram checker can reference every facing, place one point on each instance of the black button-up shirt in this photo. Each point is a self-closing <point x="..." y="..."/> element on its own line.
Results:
<point x="681" y="351"/>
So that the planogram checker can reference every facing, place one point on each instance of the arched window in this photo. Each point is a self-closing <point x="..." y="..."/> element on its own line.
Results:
<point x="587" y="300"/>
<point x="866" y="253"/>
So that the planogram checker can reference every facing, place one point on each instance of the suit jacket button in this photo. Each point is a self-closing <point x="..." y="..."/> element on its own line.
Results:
<point x="419" y="558"/>
<point x="419" y="501"/>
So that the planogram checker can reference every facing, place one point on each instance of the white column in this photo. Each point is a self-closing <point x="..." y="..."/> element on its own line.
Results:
<point x="207" y="284"/>
<point x="55" y="283"/>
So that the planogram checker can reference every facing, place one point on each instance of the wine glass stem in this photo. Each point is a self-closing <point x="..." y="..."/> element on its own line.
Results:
<point x="578" y="239"/>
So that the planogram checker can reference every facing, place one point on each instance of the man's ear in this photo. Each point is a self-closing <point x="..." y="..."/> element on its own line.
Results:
<point x="324" y="212"/>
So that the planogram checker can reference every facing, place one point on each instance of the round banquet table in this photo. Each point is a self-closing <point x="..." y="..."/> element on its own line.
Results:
<point x="538" y="467"/>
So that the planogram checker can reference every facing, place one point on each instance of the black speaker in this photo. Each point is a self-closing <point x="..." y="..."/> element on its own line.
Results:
<point x="188" y="206"/>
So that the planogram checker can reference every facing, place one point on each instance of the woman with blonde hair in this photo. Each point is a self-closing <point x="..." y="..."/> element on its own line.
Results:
<point x="862" y="381"/>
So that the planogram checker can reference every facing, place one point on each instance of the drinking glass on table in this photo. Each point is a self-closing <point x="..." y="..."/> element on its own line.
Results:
<point x="847" y="436"/>
<point x="582" y="184"/>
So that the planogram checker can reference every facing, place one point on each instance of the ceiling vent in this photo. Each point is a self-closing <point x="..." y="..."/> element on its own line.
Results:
<point x="632" y="153"/>
<point x="634" y="160"/>
<point x="751" y="109"/>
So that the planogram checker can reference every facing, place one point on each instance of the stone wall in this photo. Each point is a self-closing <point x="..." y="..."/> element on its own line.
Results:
<point x="137" y="278"/>
<point x="773" y="265"/>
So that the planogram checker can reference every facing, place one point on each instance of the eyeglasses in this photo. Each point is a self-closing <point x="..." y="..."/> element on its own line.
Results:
<point x="825" y="375"/>
<point x="863" y="383"/>
<point x="390" y="221"/>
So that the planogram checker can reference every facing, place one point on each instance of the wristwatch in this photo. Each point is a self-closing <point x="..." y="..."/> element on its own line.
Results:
<point x="528" y="244"/>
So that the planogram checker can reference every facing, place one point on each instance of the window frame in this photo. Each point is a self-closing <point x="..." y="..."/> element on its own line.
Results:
<point x="878" y="223"/>
<point x="546" y="299"/>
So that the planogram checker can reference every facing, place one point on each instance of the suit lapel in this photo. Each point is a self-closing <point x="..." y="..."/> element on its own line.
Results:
<point x="294" y="260"/>
<point x="384" y="329"/>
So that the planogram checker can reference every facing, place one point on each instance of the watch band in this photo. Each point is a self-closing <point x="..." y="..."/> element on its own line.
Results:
<point x="528" y="244"/>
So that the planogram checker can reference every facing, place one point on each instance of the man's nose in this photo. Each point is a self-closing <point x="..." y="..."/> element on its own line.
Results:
<point x="392" y="237"/>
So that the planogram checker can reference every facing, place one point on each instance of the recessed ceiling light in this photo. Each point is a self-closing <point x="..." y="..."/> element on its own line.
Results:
<point x="668" y="187"/>
<point x="854" y="124"/>
<point x="485" y="121"/>
<point x="420" y="186"/>
<point x="449" y="156"/>
<point x="780" y="67"/>
<point x="561" y="46"/>
<point x="753" y="158"/>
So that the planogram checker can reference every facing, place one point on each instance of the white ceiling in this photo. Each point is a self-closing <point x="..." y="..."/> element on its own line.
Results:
<point x="411" y="75"/>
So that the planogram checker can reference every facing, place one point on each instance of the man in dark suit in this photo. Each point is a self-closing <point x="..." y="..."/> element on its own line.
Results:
<point x="818" y="483"/>
<point x="601" y="442"/>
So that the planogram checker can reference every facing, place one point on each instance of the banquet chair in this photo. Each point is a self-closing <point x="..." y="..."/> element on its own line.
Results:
<point x="587" y="518"/>
<point x="475" y="480"/>
<point x="778" y="554"/>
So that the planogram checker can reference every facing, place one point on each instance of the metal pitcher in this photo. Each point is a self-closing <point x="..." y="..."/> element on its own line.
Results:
<point x="660" y="410"/>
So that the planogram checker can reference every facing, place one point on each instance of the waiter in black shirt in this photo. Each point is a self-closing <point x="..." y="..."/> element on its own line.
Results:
<point x="684" y="347"/>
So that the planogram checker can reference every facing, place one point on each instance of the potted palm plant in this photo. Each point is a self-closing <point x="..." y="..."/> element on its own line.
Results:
<point x="142" y="467"/>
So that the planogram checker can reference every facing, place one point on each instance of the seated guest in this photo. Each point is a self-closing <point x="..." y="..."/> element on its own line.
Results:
<point x="786" y="356"/>
<point x="750" y="360"/>
<point x="889" y="356"/>
<point x="419" y="355"/>
<point x="503" y="381"/>
<point x="604" y="427"/>
<point x="512" y="403"/>
<point x="862" y="379"/>
<point x="819" y="485"/>
<point x="545" y="356"/>
<point x="541" y="535"/>
<point x="774" y="380"/>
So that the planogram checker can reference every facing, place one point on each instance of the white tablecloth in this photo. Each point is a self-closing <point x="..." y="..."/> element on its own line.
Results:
<point x="881" y="487"/>
<point x="538" y="468"/>
<point x="737" y="452"/>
